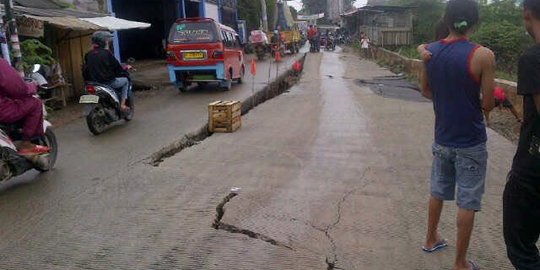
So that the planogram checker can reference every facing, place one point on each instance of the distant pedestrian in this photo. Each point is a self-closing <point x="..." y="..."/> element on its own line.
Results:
<point x="521" y="200"/>
<point x="365" y="43"/>
<point x="501" y="101"/>
<point x="455" y="78"/>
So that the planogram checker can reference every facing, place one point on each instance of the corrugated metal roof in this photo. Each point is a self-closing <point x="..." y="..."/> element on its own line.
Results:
<point x="71" y="23"/>
<point x="115" y="24"/>
<point x="77" y="20"/>
<point x="43" y="4"/>
<point x="58" y="12"/>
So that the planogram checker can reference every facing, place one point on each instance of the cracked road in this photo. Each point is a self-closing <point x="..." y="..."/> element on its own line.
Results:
<point x="332" y="174"/>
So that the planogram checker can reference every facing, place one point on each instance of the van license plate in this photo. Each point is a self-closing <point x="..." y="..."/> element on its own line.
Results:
<point x="89" y="99"/>
<point x="193" y="55"/>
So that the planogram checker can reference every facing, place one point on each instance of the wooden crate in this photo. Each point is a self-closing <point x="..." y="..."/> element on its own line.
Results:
<point x="224" y="116"/>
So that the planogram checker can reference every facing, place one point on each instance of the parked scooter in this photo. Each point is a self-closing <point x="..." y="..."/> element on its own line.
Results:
<point x="12" y="164"/>
<point x="102" y="105"/>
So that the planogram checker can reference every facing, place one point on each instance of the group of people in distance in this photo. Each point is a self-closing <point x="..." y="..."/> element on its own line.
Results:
<point x="459" y="77"/>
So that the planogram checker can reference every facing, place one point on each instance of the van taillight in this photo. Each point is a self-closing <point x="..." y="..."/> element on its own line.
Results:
<point x="219" y="55"/>
<point x="171" y="56"/>
<point x="90" y="89"/>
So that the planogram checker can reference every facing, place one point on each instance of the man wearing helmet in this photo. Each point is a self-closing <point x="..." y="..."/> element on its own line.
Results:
<point x="101" y="66"/>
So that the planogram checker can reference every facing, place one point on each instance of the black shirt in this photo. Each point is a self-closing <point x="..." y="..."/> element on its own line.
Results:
<point x="101" y="66"/>
<point x="526" y="165"/>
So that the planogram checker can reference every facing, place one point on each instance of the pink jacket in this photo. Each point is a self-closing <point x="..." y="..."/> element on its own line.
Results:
<point x="12" y="86"/>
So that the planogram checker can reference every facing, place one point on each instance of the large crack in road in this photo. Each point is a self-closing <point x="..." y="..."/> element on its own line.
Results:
<point x="332" y="260"/>
<point x="218" y="225"/>
<point x="281" y="85"/>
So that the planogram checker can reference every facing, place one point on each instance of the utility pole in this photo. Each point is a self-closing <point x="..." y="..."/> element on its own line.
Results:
<point x="14" y="37"/>
<point x="264" y="15"/>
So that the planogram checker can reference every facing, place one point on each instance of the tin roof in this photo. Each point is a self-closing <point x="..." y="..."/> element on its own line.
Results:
<point x="43" y="4"/>
<point x="115" y="24"/>
<point x="76" y="20"/>
<point x="57" y="12"/>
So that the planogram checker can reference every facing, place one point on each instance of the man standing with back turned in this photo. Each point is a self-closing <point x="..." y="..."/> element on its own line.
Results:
<point x="521" y="209"/>
<point x="455" y="78"/>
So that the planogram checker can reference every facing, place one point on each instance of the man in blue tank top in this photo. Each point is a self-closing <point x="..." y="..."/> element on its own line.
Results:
<point x="459" y="78"/>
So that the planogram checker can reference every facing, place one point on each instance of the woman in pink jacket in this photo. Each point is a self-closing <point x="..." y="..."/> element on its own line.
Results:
<point x="18" y="105"/>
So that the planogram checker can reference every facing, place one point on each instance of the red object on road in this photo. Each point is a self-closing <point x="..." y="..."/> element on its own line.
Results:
<point x="297" y="66"/>
<point x="253" y="67"/>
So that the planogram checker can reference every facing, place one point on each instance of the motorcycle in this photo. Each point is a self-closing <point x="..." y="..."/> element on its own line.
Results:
<point x="102" y="105"/>
<point x="277" y="47"/>
<point x="12" y="164"/>
<point x="260" y="50"/>
<point x="259" y="42"/>
<point x="330" y="44"/>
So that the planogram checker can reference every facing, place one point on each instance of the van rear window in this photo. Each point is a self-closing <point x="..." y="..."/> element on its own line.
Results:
<point x="193" y="32"/>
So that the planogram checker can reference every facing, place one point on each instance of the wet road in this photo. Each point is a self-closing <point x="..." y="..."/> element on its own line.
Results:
<point x="46" y="205"/>
<point x="333" y="175"/>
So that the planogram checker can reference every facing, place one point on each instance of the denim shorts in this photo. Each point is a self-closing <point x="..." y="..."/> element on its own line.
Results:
<point x="461" y="167"/>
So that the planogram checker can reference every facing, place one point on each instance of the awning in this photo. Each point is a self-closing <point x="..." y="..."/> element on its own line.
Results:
<point x="67" y="22"/>
<point x="76" y="20"/>
<point x="115" y="24"/>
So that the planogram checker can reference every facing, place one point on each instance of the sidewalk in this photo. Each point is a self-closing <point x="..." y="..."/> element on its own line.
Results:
<point x="334" y="171"/>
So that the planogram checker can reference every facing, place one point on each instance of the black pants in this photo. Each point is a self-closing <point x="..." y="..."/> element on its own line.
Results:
<point x="521" y="219"/>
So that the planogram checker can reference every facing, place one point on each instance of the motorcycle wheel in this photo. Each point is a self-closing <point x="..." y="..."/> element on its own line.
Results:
<point x="49" y="140"/>
<point x="131" y="105"/>
<point x="95" y="122"/>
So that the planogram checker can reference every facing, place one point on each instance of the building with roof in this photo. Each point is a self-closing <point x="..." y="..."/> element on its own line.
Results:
<point x="385" y="24"/>
<point x="161" y="14"/>
<point x="66" y="31"/>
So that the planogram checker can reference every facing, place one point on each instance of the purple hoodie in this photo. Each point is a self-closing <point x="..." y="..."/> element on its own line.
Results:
<point x="12" y="86"/>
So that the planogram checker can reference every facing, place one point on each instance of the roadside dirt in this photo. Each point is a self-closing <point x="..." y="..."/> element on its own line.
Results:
<point x="502" y="121"/>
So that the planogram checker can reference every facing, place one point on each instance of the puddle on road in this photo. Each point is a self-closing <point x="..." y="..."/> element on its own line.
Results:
<point x="395" y="87"/>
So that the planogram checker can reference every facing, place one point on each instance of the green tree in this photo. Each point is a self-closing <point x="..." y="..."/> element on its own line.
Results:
<point x="425" y="15"/>
<point x="313" y="6"/>
<point x="502" y="31"/>
<point x="250" y="11"/>
<point x="506" y="40"/>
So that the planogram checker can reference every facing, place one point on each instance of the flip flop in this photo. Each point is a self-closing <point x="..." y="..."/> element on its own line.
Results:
<point x="36" y="150"/>
<point x="439" y="245"/>
<point x="473" y="266"/>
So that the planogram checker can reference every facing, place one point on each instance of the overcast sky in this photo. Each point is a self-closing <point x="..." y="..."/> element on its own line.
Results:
<point x="298" y="3"/>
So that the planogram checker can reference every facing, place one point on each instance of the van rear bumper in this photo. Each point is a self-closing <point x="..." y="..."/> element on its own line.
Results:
<point x="180" y="74"/>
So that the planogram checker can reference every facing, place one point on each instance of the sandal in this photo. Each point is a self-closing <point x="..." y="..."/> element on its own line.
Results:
<point x="473" y="266"/>
<point x="439" y="245"/>
<point x="36" y="150"/>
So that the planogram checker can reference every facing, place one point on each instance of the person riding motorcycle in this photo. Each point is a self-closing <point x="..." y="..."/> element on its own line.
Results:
<point x="102" y="67"/>
<point x="18" y="105"/>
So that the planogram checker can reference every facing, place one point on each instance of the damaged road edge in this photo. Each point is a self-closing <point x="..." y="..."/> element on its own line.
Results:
<point x="274" y="89"/>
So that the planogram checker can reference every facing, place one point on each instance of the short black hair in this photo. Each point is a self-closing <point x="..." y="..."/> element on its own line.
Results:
<point x="533" y="6"/>
<point x="461" y="15"/>
<point x="441" y="30"/>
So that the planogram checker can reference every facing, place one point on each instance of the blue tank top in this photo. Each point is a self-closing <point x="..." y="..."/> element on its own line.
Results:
<point x="459" y="121"/>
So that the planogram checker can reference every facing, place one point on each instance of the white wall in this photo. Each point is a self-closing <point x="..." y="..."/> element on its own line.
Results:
<point x="212" y="11"/>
